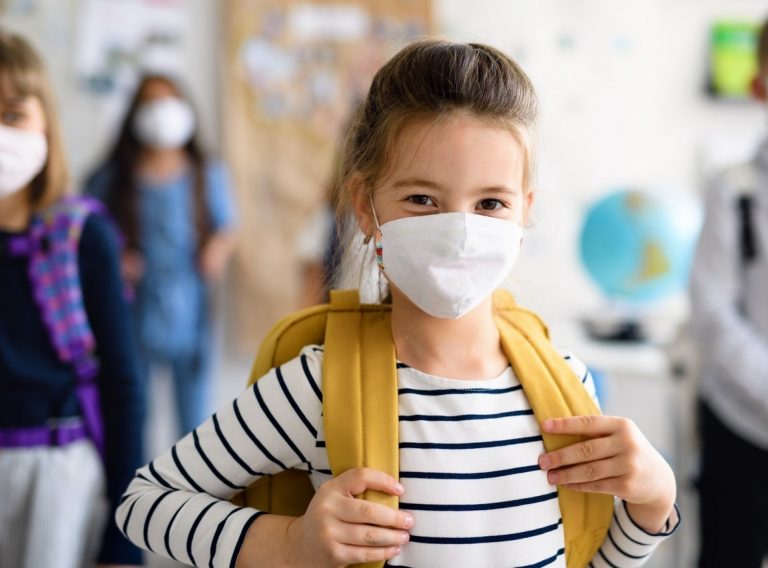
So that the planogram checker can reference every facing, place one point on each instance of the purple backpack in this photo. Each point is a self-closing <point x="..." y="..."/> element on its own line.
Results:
<point x="52" y="244"/>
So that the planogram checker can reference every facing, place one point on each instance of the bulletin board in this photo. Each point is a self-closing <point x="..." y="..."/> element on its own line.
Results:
<point x="292" y="72"/>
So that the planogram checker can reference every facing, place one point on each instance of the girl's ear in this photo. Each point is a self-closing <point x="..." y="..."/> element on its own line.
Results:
<point x="528" y="199"/>
<point x="361" y="204"/>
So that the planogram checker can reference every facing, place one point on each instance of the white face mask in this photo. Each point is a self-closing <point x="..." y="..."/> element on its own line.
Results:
<point x="164" y="123"/>
<point x="447" y="263"/>
<point x="22" y="156"/>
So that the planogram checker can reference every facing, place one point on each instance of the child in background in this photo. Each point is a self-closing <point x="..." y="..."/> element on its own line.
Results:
<point x="438" y="171"/>
<point x="174" y="208"/>
<point x="52" y="425"/>
<point x="729" y="313"/>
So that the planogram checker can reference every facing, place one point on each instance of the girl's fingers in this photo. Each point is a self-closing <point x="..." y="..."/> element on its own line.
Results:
<point x="362" y="512"/>
<point x="371" y="536"/>
<point x="587" y="472"/>
<point x="362" y="554"/>
<point x="589" y="450"/>
<point x="585" y="425"/>
<point x="357" y="481"/>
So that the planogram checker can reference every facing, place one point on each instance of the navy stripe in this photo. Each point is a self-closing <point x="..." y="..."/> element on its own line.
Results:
<point x="327" y="471"/>
<point x="484" y="539"/>
<point x="310" y="378"/>
<point x="183" y="471"/>
<point x="546" y="561"/>
<point x="459" y="391"/>
<point x="144" y="477"/>
<point x="127" y="496"/>
<point x="241" y="538"/>
<point x="602" y="555"/>
<point x="167" y="537"/>
<point x="148" y="519"/>
<point x="584" y="378"/>
<point x="254" y="439"/>
<point x="480" y="506"/>
<point x="231" y="451"/>
<point x="457" y="418"/>
<point x="624" y="552"/>
<point x="217" y="534"/>
<point x="276" y="424"/>
<point x="478" y="475"/>
<point x="157" y="476"/>
<point x="618" y="524"/>
<point x="210" y="465"/>
<point x="402" y="365"/>
<point x="128" y="518"/>
<point x="191" y="535"/>
<point x="319" y="443"/>
<point x="470" y="445"/>
<point x="295" y="406"/>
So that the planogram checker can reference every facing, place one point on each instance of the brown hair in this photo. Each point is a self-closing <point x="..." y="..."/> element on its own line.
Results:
<point x="122" y="195"/>
<point x="429" y="80"/>
<point x="22" y="74"/>
<point x="762" y="46"/>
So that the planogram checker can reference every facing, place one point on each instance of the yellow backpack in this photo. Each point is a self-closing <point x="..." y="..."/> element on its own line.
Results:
<point x="360" y="404"/>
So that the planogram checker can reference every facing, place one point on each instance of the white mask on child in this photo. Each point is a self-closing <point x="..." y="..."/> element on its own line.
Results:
<point x="164" y="123"/>
<point x="22" y="157"/>
<point x="447" y="263"/>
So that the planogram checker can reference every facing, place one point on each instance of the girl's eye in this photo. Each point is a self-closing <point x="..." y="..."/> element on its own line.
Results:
<point x="11" y="117"/>
<point x="420" y="200"/>
<point x="490" y="204"/>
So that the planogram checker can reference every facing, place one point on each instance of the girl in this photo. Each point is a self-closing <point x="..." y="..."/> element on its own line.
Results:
<point x="51" y="478"/>
<point x="438" y="172"/>
<point x="174" y="208"/>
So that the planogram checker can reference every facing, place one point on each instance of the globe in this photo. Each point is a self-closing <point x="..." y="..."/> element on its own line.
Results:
<point x="637" y="245"/>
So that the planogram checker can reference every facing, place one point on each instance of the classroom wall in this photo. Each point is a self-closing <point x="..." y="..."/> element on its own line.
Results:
<point x="622" y="104"/>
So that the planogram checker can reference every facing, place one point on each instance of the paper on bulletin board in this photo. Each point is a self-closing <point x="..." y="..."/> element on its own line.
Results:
<point x="293" y="72"/>
<point x="119" y="39"/>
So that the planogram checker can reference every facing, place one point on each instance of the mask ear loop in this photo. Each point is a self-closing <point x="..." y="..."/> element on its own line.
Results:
<point x="376" y="236"/>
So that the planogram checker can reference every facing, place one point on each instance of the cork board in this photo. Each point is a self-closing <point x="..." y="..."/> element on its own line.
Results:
<point x="292" y="72"/>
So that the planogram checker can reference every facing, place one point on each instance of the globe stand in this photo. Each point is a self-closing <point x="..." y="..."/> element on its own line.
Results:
<point x="622" y="331"/>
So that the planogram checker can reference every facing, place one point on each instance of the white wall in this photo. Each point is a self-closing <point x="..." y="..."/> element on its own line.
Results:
<point x="88" y="120"/>
<point x="622" y="106"/>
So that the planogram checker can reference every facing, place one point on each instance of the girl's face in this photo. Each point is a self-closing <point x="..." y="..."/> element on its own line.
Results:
<point x="24" y="113"/>
<point x="460" y="164"/>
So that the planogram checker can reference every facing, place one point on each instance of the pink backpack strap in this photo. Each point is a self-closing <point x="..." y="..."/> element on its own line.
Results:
<point x="52" y="245"/>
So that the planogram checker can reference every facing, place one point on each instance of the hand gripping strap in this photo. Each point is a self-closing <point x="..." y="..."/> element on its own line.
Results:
<point x="360" y="391"/>
<point x="554" y="391"/>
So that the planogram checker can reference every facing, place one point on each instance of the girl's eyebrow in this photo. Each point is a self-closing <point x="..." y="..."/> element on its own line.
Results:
<point x="417" y="182"/>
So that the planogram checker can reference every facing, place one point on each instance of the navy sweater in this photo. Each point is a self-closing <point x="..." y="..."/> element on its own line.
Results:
<point x="35" y="386"/>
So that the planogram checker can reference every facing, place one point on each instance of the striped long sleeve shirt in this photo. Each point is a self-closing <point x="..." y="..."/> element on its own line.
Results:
<point x="468" y="462"/>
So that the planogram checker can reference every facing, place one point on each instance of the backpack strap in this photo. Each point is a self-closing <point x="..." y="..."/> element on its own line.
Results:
<point x="360" y="391"/>
<point x="52" y="246"/>
<point x="747" y="239"/>
<point x="554" y="391"/>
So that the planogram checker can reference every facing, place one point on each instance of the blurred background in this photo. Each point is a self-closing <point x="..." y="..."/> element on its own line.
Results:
<point x="641" y="101"/>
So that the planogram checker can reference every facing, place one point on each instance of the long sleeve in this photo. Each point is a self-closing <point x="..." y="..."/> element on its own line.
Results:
<point x="122" y="402"/>
<point x="626" y="545"/>
<point x="731" y="345"/>
<point x="176" y="506"/>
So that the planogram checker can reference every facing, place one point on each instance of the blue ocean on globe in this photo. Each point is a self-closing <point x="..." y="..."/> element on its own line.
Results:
<point x="638" y="245"/>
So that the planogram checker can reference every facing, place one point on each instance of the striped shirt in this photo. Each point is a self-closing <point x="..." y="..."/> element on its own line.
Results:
<point x="468" y="460"/>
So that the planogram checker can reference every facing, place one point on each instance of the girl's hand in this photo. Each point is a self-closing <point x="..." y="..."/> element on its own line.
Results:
<point x="339" y="529"/>
<point x="336" y="530"/>
<point x="617" y="460"/>
<point x="132" y="266"/>
<point x="215" y="255"/>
